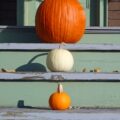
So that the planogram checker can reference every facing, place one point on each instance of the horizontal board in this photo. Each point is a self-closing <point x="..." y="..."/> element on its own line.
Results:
<point x="89" y="30"/>
<point x="103" y="30"/>
<point x="47" y="114"/>
<point x="83" y="94"/>
<point x="114" y="22"/>
<point x="114" y="15"/>
<point x="113" y="0"/>
<point x="44" y="46"/>
<point x="60" y="76"/>
<point x="35" y="61"/>
<point x="114" y="5"/>
<point x="27" y="34"/>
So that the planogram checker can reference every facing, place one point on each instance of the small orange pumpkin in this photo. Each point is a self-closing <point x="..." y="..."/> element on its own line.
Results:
<point x="60" y="21"/>
<point x="59" y="100"/>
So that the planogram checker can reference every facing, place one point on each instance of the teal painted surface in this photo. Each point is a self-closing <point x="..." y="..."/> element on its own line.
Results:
<point x="86" y="6"/>
<point x="30" y="8"/>
<point x="101" y="38"/>
<point x="95" y="94"/>
<point x="23" y="61"/>
<point x="36" y="94"/>
<point x="20" y="12"/>
<point x="103" y="13"/>
<point x="18" y="35"/>
<point x="26" y="11"/>
<point x="36" y="61"/>
<point x="28" y="35"/>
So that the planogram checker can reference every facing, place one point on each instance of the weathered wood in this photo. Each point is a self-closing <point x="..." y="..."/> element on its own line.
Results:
<point x="77" y="113"/>
<point x="113" y="23"/>
<point x="114" y="6"/>
<point x="103" y="30"/>
<point x="60" y="76"/>
<point x="114" y="15"/>
<point x="44" y="46"/>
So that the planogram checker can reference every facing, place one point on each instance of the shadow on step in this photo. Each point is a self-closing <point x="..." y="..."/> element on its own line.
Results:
<point x="20" y="104"/>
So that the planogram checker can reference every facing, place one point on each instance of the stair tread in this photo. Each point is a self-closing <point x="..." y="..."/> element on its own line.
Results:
<point x="46" y="46"/>
<point x="60" y="76"/>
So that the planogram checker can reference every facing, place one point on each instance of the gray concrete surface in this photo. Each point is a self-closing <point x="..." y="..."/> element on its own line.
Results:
<point x="46" y="114"/>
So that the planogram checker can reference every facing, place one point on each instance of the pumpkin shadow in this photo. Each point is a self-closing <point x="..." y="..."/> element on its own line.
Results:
<point x="32" y="67"/>
<point x="20" y="104"/>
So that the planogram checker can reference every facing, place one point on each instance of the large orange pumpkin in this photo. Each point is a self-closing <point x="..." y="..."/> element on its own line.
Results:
<point x="60" y="21"/>
<point x="59" y="100"/>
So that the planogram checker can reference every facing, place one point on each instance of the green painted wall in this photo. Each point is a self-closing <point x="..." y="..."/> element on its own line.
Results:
<point x="36" y="94"/>
<point x="11" y="35"/>
<point x="101" y="38"/>
<point x="28" y="35"/>
<point x="36" y="61"/>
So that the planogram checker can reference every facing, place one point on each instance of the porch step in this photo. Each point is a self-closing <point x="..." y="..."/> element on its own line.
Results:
<point x="27" y="34"/>
<point x="20" y="50"/>
<point x="42" y="114"/>
<point x="60" y="77"/>
<point x="96" y="90"/>
<point x="73" y="47"/>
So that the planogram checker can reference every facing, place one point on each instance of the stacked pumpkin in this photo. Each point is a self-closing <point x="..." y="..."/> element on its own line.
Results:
<point x="60" y="21"/>
<point x="59" y="100"/>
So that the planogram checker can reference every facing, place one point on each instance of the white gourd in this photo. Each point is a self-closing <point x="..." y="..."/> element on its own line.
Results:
<point x="60" y="60"/>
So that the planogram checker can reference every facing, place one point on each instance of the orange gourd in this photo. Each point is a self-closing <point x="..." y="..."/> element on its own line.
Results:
<point x="59" y="100"/>
<point x="60" y="21"/>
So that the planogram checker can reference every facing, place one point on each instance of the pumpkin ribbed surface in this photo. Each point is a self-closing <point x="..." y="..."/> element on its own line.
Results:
<point x="59" y="101"/>
<point x="60" y="21"/>
<point x="60" y="60"/>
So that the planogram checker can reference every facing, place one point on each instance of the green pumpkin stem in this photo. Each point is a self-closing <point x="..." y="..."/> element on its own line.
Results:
<point x="60" y="88"/>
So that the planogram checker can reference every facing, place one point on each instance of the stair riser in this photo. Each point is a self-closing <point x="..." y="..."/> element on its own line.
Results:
<point x="83" y="94"/>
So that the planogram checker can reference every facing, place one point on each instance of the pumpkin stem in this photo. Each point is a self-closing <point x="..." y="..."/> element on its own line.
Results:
<point x="62" y="44"/>
<point x="60" y="88"/>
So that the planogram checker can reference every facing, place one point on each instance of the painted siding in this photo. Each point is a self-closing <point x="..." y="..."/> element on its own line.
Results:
<point x="83" y="94"/>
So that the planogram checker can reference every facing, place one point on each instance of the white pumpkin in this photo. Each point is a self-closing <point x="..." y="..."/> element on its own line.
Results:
<point x="59" y="60"/>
